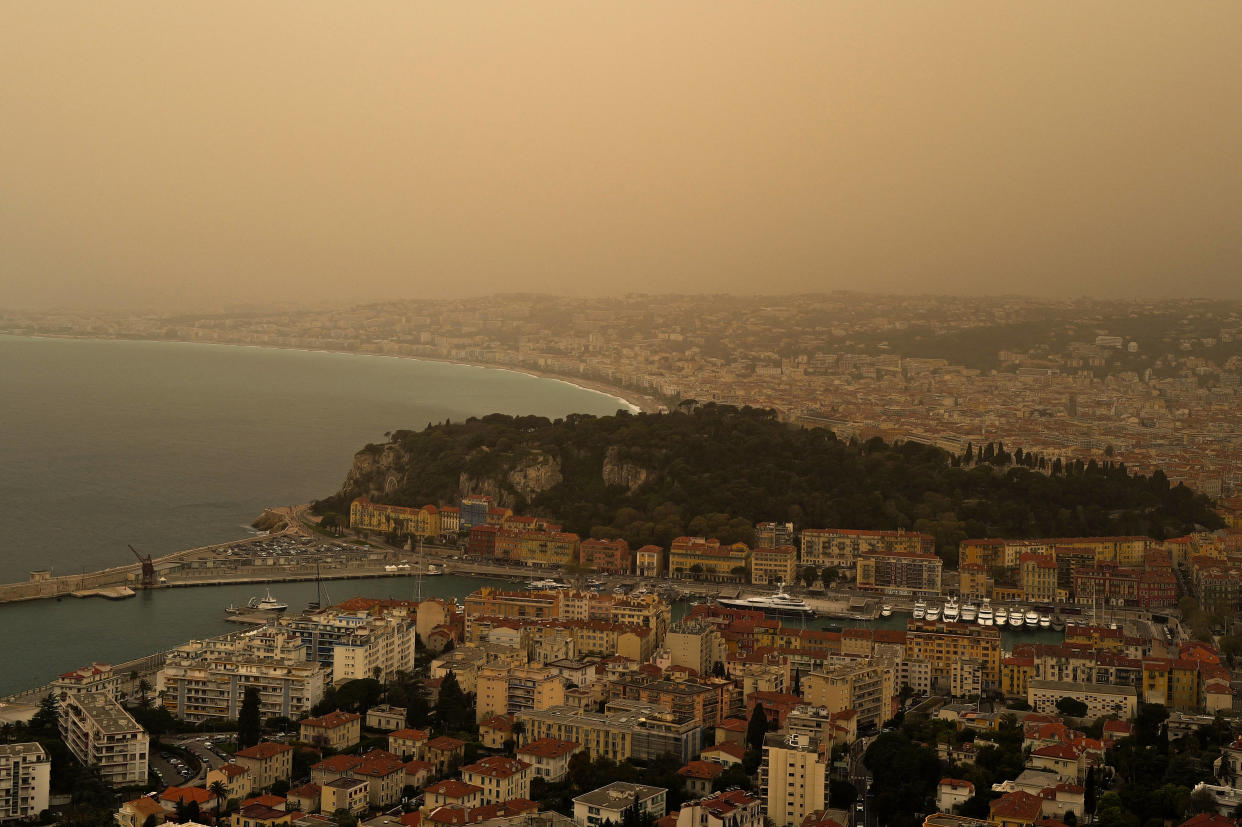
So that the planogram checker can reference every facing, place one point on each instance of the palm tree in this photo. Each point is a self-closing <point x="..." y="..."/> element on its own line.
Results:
<point x="221" y="791"/>
<point x="518" y="730"/>
<point x="144" y="686"/>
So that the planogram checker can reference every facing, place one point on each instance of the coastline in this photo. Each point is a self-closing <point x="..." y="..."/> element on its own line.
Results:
<point x="636" y="402"/>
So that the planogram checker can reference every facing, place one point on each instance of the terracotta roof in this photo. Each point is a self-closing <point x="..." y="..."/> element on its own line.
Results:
<point x="415" y="767"/>
<point x="306" y="791"/>
<point x="496" y="766"/>
<point x="185" y="795"/>
<point x="409" y="734"/>
<point x="1061" y="751"/>
<point x="445" y="744"/>
<point x="264" y="750"/>
<point x="266" y="800"/>
<point x="145" y="807"/>
<point x="729" y="748"/>
<point x="705" y="770"/>
<point x="1017" y="805"/>
<point x="258" y="812"/>
<point x="733" y="725"/>
<point x="231" y="771"/>
<point x="501" y="723"/>
<point x="332" y="720"/>
<point x="452" y="789"/>
<point x="338" y="763"/>
<point x="957" y="783"/>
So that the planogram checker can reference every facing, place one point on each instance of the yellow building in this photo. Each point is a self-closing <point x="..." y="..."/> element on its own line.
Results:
<point x="369" y="516"/>
<point x="974" y="582"/>
<point x="649" y="561"/>
<point x="337" y="730"/>
<point x="774" y="565"/>
<point x="1039" y="577"/>
<point x="489" y="602"/>
<point x="867" y="687"/>
<point x="548" y="548"/>
<point x="841" y="547"/>
<point x="509" y="690"/>
<point x="942" y="645"/>
<point x="793" y="777"/>
<point x="899" y="572"/>
<point x="696" y="557"/>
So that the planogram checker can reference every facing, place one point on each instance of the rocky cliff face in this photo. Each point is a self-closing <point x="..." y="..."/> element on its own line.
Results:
<point x="532" y="475"/>
<point x="375" y="473"/>
<point x="622" y="472"/>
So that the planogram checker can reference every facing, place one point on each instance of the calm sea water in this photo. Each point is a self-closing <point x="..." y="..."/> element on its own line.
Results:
<point x="168" y="446"/>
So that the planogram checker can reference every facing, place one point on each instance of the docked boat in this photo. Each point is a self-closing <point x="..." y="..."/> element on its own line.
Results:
<point x="1017" y="618"/>
<point x="547" y="583"/>
<point x="433" y="570"/>
<point x="1002" y="616"/>
<point x="970" y="612"/>
<point x="1045" y="621"/>
<point x="779" y="604"/>
<point x="951" y="611"/>
<point x="920" y="610"/>
<point x="267" y="604"/>
<point x="933" y="613"/>
<point x="1032" y="618"/>
<point x="595" y="582"/>
<point x="886" y="610"/>
<point x="1058" y="625"/>
<point x="985" y="617"/>
<point x="233" y="609"/>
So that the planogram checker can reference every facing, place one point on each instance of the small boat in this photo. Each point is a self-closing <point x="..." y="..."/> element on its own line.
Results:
<point x="886" y="610"/>
<point x="233" y="609"/>
<point x="1017" y="618"/>
<point x="969" y="612"/>
<point x="434" y="571"/>
<point x="920" y="610"/>
<point x="1032" y="617"/>
<point x="933" y="613"/>
<point x="547" y="584"/>
<point x="1045" y="621"/>
<point x="1002" y="616"/>
<point x="267" y="604"/>
<point x="595" y="582"/>
<point x="951" y="611"/>
<point x="986" y="618"/>
<point x="1058" y="625"/>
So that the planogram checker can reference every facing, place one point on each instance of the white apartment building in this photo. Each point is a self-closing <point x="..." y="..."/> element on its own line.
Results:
<point x="377" y="650"/>
<point x="25" y="775"/>
<point x="208" y="680"/>
<point x="98" y="730"/>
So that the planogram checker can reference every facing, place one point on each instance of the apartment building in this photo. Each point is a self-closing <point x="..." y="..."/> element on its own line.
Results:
<point x="708" y="559"/>
<point x="694" y="644"/>
<point x="622" y="730"/>
<point x="490" y="602"/>
<point x="793" y="778"/>
<point x="509" y="690"/>
<point x="25" y="779"/>
<point x="899" y="572"/>
<point x="1038" y="577"/>
<point x="650" y="561"/>
<point x="100" y="733"/>
<point x="608" y="804"/>
<point x="770" y="566"/>
<point x="200" y="683"/>
<point x="419" y="522"/>
<point x="731" y="808"/>
<point x="865" y="687"/>
<point x="774" y="535"/>
<point x="1101" y="700"/>
<point x="345" y="793"/>
<point x="549" y="757"/>
<point x="942" y="645"/>
<point x="607" y="556"/>
<point x="841" y="547"/>
<point x="822" y="724"/>
<point x="706" y="701"/>
<point x="98" y="677"/>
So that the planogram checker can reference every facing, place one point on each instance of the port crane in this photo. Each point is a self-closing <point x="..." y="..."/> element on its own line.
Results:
<point x="148" y="569"/>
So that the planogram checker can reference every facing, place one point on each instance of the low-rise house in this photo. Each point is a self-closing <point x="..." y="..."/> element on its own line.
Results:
<point x="951" y="792"/>
<point x="549" y="757"/>
<point x="266" y="799"/>
<point x="1063" y="759"/>
<point x="726" y="754"/>
<point x="734" y="808"/>
<point x="418" y="773"/>
<point x="451" y="793"/>
<point x="236" y="778"/>
<point x="385" y="777"/>
<point x="136" y="812"/>
<point x="386" y="718"/>
<point x="336" y="730"/>
<point x="609" y="803"/>
<point x="699" y="776"/>
<point x="259" y="815"/>
<point x="333" y="767"/>
<point x="344" y="794"/>
<point x="500" y="778"/>
<point x="407" y="743"/>
<point x="495" y="731"/>
<point x="1016" y="809"/>
<point x="442" y="751"/>
<point x="732" y="730"/>
<point x="268" y="763"/>
<point x="304" y="799"/>
<point x="171" y="797"/>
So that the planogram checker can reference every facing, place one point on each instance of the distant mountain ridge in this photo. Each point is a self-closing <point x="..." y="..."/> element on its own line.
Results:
<point x="715" y="470"/>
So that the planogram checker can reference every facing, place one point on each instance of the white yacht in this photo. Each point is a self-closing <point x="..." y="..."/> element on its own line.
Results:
<point x="886" y="610"/>
<point x="1032" y="618"/>
<point x="1017" y="617"/>
<point x="933" y="613"/>
<point x="779" y="604"/>
<point x="951" y="611"/>
<point x="986" y="618"/>
<point x="1002" y="616"/>
<point x="547" y="583"/>
<point x="920" y="610"/>
<point x="433" y="570"/>
<point x="267" y="604"/>
<point x="1045" y="621"/>
<point x="969" y="612"/>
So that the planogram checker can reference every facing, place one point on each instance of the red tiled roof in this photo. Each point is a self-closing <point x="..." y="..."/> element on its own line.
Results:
<point x="496" y="766"/>
<point x="266" y="800"/>
<point x="409" y="734"/>
<point x="185" y="795"/>
<point x="263" y="751"/>
<point x="549" y="748"/>
<point x="338" y="763"/>
<point x="445" y="744"/>
<point x="452" y="789"/>
<point x="705" y="770"/>
<point x="1017" y="805"/>
<point x="332" y="720"/>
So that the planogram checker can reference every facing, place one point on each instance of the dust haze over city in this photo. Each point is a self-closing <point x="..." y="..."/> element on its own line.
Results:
<point x="549" y="414"/>
<point x="165" y="156"/>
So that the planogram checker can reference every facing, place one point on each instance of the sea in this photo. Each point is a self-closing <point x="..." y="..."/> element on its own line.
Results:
<point x="165" y="446"/>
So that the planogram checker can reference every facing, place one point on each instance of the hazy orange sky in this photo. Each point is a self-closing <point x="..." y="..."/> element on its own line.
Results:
<point x="193" y="155"/>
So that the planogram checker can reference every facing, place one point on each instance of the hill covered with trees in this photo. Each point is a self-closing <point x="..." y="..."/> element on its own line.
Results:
<point x="716" y="469"/>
